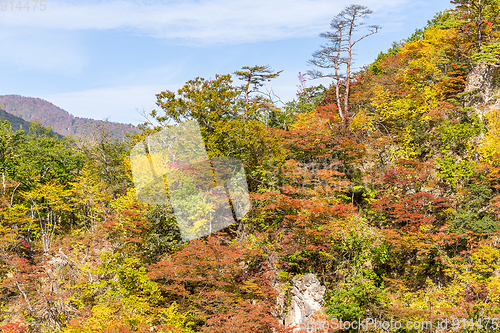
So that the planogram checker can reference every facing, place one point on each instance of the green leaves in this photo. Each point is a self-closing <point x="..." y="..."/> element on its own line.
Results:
<point x="107" y="159"/>
<point x="489" y="55"/>
<point x="474" y="214"/>
<point x="44" y="157"/>
<point x="207" y="101"/>
<point x="456" y="136"/>
<point x="455" y="171"/>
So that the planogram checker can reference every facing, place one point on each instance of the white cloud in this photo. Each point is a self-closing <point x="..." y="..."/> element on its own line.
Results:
<point x="118" y="104"/>
<point x="195" y="22"/>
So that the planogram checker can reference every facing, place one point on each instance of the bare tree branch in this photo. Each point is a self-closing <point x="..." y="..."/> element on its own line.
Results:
<point x="339" y="51"/>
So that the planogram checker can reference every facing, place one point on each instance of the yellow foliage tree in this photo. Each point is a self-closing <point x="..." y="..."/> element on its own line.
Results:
<point x="490" y="147"/>
<point x="48" y="204"/>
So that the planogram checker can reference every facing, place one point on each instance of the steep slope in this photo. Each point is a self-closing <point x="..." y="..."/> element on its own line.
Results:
<point x="14" y="121"/>
<point x="62" y="122"/>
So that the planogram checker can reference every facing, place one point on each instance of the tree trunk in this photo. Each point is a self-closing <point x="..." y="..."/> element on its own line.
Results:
<point x="348" y="72"/>
<point x="479" y="26"/>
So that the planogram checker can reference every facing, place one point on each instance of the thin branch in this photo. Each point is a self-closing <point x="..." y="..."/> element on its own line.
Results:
<point x="25" y="297"/>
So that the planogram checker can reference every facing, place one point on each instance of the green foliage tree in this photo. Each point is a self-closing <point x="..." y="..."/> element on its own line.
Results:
<point x="47" y="157"/>
<point x="255" y="76"/>
<point x="10" y="142"/>
<point x="260" y="106"/>
<point x="477" y="14"/>
<point x="107" y="157"/>
<point x="207" y="101"/>
<point x="215" y="105"/>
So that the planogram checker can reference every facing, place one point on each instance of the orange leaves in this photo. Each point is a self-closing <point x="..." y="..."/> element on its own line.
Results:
<point x="248" y="317"/>
<point x="495" y="203"/>
<point x="328" y="111"/>
<point x="221" y="280"/>
<point x="408" y="199"/>
<point x="200" y="262"/>
<point x="416" y="208"/>
<point x="308" y="135"/>
<point x="13" y="328"/>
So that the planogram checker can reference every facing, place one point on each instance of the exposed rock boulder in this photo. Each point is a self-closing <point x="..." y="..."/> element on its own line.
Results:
<point x="481" y="82"/>
<point x="307" y="299"/>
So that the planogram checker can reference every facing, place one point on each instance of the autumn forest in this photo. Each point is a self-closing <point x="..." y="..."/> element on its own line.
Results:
<point x="383" y="186"/>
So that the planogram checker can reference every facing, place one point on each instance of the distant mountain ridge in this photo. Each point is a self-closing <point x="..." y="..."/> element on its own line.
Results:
<point x="61" y="121"/>
<point x="15" y="122"/>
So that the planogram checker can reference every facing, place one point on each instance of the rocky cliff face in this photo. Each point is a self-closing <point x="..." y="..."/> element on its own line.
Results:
<point x="484" y="90"/>
<point x="307" y="299"/>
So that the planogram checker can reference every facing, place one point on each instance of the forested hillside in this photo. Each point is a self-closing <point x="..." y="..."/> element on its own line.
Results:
<point x="384" y="185"/>
<point x="15" y="122"/>
<point x="59" y="120"/>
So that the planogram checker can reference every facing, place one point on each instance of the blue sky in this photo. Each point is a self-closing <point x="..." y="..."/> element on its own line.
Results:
<point x="108" y="59"/>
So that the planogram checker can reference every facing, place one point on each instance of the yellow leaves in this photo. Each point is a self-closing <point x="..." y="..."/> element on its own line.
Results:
<point x="428" y="52"/>
<point x="380" y="101"/>
<point x="197" y="211"/>
<point x="363" y="120"/>
<point x="410" y="88"/>
<point x="409" y="148"/>
<point x="250" y="286"/>
<point x="172" y="316"/>
<point x="474" y="282"/>
<point x="7" y="237"/>
<point x="443" y="301"/>
<point x="88" y="187"/>
<point x="490" y="146"/>
<point x="127" y="221"/>
<point x="392" y="105"/>
<point x="49" y="203"/>
<point x="126" y="300"/>
<point x="13" y="216"/>
<point x="485" y="261"/>
<point x="448" y="212"/>
<point x="51" y="195"/>
<point x="17" y="214"/>
<point x="425" y="64"/>
<point x="128" y="208"/>
<point x="90" y="196"/>
<point x="426" y="227"/>
<point x="123" y="203"/>
<point x="493" y="287"/>
<point x="103" y="316"/>
<point x="310" y="120"/>
<point x="417" y="72"/>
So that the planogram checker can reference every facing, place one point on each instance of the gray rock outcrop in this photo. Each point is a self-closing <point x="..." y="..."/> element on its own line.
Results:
<point x="307" y="299"/>
<point x="482" y="83"/>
